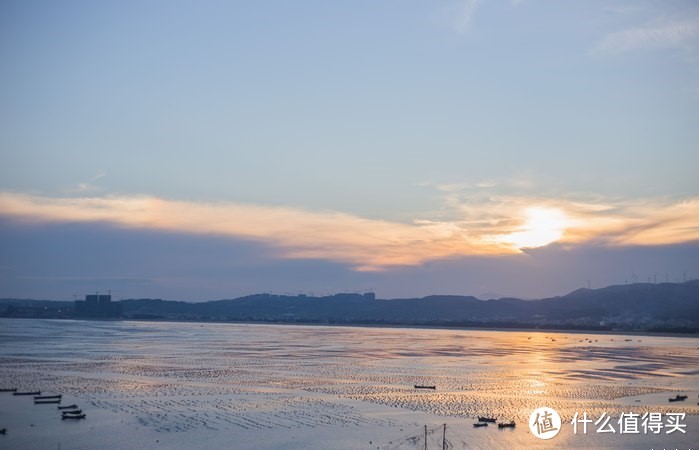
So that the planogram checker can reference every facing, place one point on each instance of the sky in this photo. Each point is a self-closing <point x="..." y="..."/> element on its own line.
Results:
<point x="214" y="149"/>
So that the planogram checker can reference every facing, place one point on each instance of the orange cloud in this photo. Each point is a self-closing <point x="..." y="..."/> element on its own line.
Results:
<point x="638" y="223"/>
<point x="500" y="225"/>
<point x="364" y="243"/>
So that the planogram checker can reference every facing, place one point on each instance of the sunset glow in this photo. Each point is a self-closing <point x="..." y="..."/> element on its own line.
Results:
<point x="371" y="245"/>
<point x="542" y="226"/>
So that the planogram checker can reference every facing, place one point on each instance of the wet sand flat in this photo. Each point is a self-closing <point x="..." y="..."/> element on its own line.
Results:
<point x="191" y="385"/>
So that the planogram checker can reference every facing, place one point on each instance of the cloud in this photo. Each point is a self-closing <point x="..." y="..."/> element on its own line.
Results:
<point x="459" y="15"/>
<point x="675" y="34"/>
<point x="89" y="186"/>
<point x="482" y="224"/>
<point x="606" y="222"/>
<point x="486" y="184"/>
<point x="459" y="187"/>
<point x="365" y="244"/>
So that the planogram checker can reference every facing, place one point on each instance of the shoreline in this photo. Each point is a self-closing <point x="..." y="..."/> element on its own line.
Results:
<point x="388" y="326"/>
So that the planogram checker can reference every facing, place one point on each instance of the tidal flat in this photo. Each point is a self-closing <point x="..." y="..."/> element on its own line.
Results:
<point x="174" y="385"/>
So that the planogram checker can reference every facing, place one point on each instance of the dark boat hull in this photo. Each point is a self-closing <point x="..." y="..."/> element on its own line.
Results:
<point x="48" y="397"/>
<point x="73" y="406"/>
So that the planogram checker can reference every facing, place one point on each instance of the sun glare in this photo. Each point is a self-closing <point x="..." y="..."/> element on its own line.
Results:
<point x="542" y="227"/>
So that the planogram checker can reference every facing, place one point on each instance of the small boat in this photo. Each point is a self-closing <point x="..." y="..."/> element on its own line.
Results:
<point x="507" y="424"/>
<point x="480" y="424"/>
<point x="420" y="386"/>
<point x="71" y="416"/>
<point x="48" y="397"/>
<point x="678" y="398"/>
<point x="74" y="411"/>
<point x="47" y="402"/>
<point x="73" y="406"/>
<point x="487" y="419"/>
<point x="28" y="393"/>
<point x="8" y="390"/>
<point x="3" y="431"/>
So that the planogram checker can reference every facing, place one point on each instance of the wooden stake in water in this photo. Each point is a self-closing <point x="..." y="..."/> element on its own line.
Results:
<point x="425" y="437"/>
<point x="444" y="437"/>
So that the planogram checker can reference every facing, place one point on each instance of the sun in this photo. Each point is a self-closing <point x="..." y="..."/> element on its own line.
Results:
<point x="542" y="226"/>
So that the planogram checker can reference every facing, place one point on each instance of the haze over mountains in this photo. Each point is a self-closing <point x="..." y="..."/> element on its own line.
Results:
<point x="642" y="306"/>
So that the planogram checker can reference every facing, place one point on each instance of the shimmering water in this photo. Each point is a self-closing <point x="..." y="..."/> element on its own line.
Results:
<point x="269" y="385"/>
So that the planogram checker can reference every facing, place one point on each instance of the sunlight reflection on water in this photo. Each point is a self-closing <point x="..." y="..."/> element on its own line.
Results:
<point x="183" y="376"/>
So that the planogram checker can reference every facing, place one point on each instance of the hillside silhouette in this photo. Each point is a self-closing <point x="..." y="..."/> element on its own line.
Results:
<point x="640" y="306"/>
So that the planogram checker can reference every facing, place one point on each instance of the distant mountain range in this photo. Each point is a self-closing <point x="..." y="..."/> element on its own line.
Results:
<point x="640" y="306"/>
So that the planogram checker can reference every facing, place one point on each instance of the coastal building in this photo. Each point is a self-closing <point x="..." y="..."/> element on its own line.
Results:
<point x="97" y="306"/>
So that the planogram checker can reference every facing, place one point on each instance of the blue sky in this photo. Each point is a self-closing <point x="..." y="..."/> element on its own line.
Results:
<point x="343" y="145"/>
